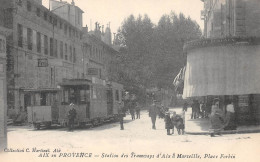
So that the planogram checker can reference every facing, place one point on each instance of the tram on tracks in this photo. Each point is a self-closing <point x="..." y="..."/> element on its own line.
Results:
<point x="96" y="101"/>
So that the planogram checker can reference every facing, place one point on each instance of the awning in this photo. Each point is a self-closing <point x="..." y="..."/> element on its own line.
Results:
<point x="222" y="70"/>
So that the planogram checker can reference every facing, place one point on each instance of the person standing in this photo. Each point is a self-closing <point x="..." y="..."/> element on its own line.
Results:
<point x="72" y="115"/>
<point x="121" y="115"/>
<point x="153" y="111"/>
<point x="168" y="123"/>
<point x="216" y="119"/>
<point x="178" y="122"/>
<point x="230" y="117"/>
<point x="185" y="106"/>
<point x="195" y="109"/>
<point x="137" y="110"/>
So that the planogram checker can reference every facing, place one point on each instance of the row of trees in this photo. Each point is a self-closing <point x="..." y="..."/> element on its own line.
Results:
<point x="152" y="55"/>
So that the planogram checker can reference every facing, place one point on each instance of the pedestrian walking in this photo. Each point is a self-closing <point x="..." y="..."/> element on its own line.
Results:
<point x="168" y="123"/>
<point x="132" y="112"/>
<point x="121" y="115"/>
<point x="137" y="110"/>
<point x="72" y="115"/>
<point x="153" y="112"/>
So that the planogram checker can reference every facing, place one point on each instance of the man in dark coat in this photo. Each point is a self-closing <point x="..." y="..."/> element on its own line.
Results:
<point x="195" y="109"/>
<point x="72" y="115"/>
<point x="121" y="115"/>
<point x="168" y="123"/>
<point x="153" y="111"/>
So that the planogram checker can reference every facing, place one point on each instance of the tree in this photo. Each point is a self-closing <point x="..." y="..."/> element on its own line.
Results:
<point x="152" y="55"/>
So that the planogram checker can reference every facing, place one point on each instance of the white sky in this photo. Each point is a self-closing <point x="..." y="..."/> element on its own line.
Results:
<point x="115" y="11"/>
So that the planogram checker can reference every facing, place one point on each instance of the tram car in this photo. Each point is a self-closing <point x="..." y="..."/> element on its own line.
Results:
<point x="114" y="96"/>
<point x="95" y="101"/>
<point x="42" y="107"/>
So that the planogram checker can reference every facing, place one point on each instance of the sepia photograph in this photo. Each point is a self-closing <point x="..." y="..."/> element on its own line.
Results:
<point x="129" y="80"/>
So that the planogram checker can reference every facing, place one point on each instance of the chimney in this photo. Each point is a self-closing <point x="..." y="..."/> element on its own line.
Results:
<point x="73" y="3"/>
<point x="96" y="26"/>
<point x="102" y="29"/>
<point x="85" y="29"/>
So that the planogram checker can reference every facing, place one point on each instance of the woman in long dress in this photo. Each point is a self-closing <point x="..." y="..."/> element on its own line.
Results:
<point x="216" y="119"/>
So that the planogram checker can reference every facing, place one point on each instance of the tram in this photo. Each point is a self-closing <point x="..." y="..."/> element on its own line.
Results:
<point x="96" y="101"/>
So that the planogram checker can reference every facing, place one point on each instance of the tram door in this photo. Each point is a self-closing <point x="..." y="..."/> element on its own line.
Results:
<point x="109" y="102"/>
<point x="27" y="100"/>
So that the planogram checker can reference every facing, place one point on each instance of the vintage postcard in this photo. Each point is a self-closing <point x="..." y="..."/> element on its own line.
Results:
<point x="129" y="80"/>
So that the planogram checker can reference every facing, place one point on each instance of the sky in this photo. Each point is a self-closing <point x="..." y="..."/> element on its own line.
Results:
<point x="115" y="11"/>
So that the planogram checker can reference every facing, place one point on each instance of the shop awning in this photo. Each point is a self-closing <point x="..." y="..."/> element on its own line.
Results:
<point x="222" y="70"/>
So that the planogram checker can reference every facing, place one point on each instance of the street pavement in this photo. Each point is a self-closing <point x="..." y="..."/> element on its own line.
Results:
<point x="138" y="138"/>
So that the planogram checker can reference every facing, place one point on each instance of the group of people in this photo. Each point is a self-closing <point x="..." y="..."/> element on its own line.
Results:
<point x="220" y="119"/>
<point x="199" y="109"/>
<point x="134" y="108"/>
<point x="170" y="121"/>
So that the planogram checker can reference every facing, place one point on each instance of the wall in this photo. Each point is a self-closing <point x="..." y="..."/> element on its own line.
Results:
<point x="23" y="62"/>
<point x="3" y="104"/>
<point x="232" y="18"/>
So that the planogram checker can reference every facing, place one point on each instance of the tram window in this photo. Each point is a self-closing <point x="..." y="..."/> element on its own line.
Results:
<point x="43" y="99"/>
<point x="72" y="95"/>
<point x="117" y="95"/>
<point x="65" y="97"/>
<point x="88" y="95"/>
<point x="94" y="93"/>
<point x="83" y="97"/>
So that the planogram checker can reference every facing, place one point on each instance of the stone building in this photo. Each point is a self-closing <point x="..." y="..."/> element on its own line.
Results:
<point x="225" y="18"/>
<point x="67" y="11"/>
<point x="100" y="52"/>
<point x="3" y="91"/>
<point x="46" y="47"/>
<point x="225" y="63"/>
<point x="43" y="49"/>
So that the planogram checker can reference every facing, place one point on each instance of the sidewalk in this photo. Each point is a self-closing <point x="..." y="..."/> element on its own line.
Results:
<point x="201" y="126"/>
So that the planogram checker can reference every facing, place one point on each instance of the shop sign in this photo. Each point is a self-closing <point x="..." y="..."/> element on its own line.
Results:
<point x="93" y="71"/>
<point x="43" y="62"/>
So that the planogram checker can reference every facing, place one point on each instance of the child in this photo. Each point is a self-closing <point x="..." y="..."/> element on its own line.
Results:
<point x="168" y="123"/>
<point x="177" y="121"/>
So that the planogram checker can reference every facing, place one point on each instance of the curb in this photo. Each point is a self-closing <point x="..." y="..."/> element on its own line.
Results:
<point x="225" y="132"/>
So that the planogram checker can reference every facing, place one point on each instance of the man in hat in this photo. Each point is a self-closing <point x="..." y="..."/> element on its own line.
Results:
<point x="72" y="115"/>
<point x="153" y="111"/>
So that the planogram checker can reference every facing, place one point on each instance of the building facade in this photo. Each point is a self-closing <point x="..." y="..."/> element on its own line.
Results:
<point x="225" y="64"/>
<point x="46" y="47"/>
<point x="3" y="91"/>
